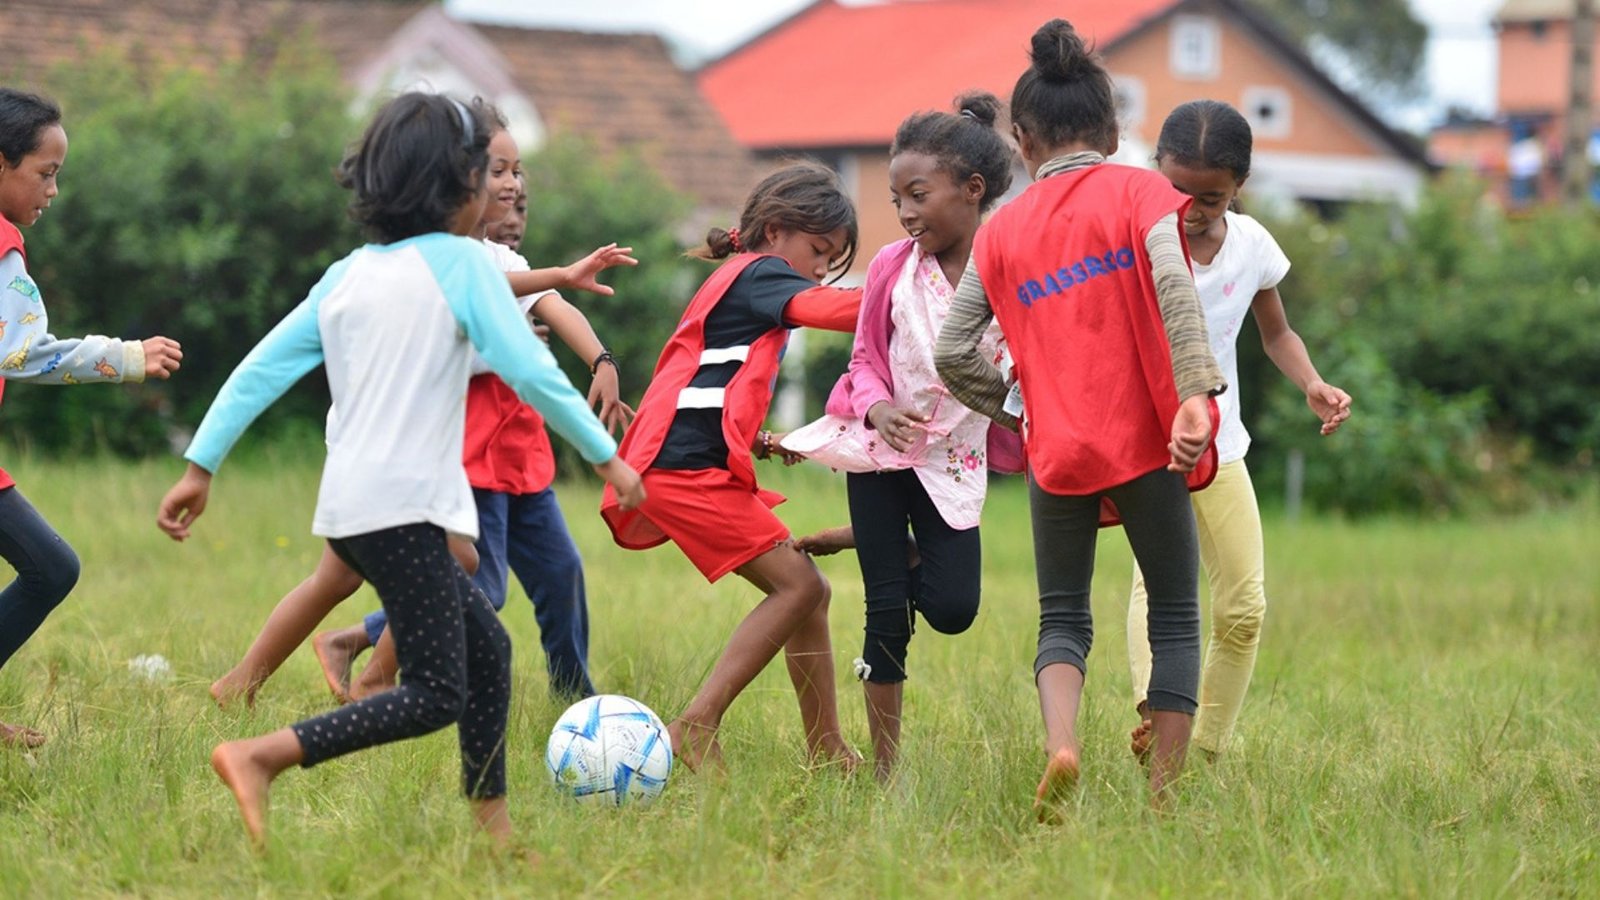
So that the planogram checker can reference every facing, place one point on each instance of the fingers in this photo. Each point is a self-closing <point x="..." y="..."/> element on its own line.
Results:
<point x="170" y="519"/>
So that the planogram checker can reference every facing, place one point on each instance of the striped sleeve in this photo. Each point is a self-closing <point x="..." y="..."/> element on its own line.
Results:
<point x="1194" y="368"/>
<point x="971" y="378"/>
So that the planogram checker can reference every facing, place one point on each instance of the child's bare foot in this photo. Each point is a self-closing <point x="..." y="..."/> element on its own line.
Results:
<point x="828" y="541"/>
<point x="696" y="746"/>
<point x="1140" y="740"/>
<point x="249" y="780"/>
<point x="494" y="819"/>
<point x="1059" y="781"/>
<point x="20" y="736"/>
<point x="233" y="686"/>
<point x="336" y="652"/>
<point x="833" y="753"/>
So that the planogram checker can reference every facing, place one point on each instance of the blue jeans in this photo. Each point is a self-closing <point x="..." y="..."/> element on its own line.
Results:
<point x="526" y="533"/>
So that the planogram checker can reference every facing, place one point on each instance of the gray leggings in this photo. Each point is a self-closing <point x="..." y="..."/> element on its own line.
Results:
<point x="1159" y="522"/>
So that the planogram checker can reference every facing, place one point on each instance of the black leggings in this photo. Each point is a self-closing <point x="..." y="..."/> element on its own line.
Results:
<point x="46" y="568"/>
<point x="943" y="589"/>
<point x="455" y="659"/>
<point x="1159" y="522"/>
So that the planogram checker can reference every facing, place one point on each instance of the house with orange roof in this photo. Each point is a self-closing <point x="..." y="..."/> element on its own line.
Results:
<point x="834" y="80"/>
<point x="621" y="92"/>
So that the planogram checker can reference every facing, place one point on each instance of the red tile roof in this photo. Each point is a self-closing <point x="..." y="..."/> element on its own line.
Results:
<point x="625" y="92"/>
<point x="904" y="55"/>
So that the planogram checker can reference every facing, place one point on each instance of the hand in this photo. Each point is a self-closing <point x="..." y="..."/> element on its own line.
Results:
<point x="1331" y="405"/>
<point x="161" y="357"/>
<point x="541" y="331"/>
<point x="828" y="541"/>
<point x="603" y="391"/>
<point x="184" y="503"/>
<point x="581" y="274"/>
<point x="624" y="480"/>
<point x="789" y="457"/>
<point x="1191" y="432"/>
<point x="898" y="427"/>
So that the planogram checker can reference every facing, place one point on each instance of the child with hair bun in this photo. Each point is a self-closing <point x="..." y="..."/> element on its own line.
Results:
<point x="916" y="460"/>
<point x="698" y="425"/>
<point x="393" y="323"/>
<point x="1087" y="276"/>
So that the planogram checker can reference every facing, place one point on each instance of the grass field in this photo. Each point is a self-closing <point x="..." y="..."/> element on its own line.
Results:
<point x="1423" y="722"/>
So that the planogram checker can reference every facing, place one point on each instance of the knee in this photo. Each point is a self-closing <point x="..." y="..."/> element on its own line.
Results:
<point x="1240" y="623"/>
<point x="56" y="574"/>
<point x="949" y="615"/>
<point x="442" y="707"/>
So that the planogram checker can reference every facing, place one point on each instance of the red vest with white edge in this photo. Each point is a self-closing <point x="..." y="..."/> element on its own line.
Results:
<point x="1068" y="276"/>
<point x="10" y="239"/>
<point x="744" y="403"/>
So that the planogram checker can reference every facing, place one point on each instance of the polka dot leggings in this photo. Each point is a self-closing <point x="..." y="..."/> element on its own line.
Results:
<point x="455" y="659"/>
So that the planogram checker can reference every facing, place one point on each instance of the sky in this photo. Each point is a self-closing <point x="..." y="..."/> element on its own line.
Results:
<point x="1459" y="69"/>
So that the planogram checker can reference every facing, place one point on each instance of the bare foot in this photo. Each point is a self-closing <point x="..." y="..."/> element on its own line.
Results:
<point x="1141" y="739"/>
<point x="1059" y="781"/>
<point x="494" y="819"/>
<point x="249" y="780"/>
<point x="696" y="746"/>
<point x="834" y="753"/>
<point x="232" y="686"/>
<point x="366" y="686"/>
<point x="828" y="541"/>
<point x="335" y="654"/>
<point x="21" y="736"/>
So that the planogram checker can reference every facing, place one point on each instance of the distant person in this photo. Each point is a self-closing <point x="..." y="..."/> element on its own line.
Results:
<point x="33" y="149"/>
<point x="1204" y="150"/>
<point x="393" y="323"/>
<point x="1085" y="273"/>
<point x="1524" y="167"/>
<point x="917" y="461"/>
<point x="698" y="425"/>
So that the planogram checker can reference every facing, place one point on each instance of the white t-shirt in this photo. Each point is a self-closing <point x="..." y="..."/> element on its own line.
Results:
<point x="1248" y="261"/>
<point x="393" y="324"/>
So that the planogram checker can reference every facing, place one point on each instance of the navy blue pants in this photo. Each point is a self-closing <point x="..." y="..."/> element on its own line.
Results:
<point x="47" y="570"/>
<point x="527" y="534"/>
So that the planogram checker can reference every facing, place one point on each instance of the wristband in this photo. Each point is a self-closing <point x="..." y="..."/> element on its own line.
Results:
<point x="604" y="357"/>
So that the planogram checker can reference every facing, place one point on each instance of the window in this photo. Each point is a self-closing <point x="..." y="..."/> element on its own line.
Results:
<point x="1267" y="110"/>
<point x="1196" y="47"/>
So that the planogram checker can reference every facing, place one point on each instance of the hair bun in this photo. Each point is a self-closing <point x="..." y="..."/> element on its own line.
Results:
<point x="1059" y="53"/>
<point x="981" y="106"/>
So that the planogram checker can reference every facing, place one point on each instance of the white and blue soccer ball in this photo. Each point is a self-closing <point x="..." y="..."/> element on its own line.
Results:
<point x="609" y="749"/>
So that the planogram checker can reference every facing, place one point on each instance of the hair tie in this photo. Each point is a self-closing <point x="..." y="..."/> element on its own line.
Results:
<point x="733" y="238"/>
<point x="467" y="129"/>
<point x="970" y="114"/>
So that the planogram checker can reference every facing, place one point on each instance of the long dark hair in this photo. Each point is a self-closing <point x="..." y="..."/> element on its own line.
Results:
<point x="802" y="196"/>
<point x="23" y="117"/>
<point x="1207" y="134"/>
<point x="419" y="161"/>
<point x="964" y="142"/>
<point x="1065" y="96"/>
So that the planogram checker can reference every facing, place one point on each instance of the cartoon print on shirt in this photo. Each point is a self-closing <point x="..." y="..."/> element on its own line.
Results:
<point x="18" y="359"/>
<point x="105" y="368"/>
<point x="24" y="287"/>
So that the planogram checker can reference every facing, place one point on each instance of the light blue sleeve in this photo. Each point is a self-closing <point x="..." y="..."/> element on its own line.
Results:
<point x="480" y="299"/>
<point x="290" y="350"/>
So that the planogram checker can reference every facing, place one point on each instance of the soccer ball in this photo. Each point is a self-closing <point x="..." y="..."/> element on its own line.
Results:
<point x="609" y="749"/>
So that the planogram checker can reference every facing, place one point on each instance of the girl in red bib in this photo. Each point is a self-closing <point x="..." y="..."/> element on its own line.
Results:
<point x="1086" y="274"/>
<point x="33" y="148"/>
<point x="701" y="419"/>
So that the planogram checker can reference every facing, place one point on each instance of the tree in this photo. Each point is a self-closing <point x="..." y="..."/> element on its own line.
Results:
<point x="1376" y="45"/>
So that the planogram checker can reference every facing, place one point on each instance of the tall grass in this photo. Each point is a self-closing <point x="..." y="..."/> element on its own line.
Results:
<point x="1422" y="722"/>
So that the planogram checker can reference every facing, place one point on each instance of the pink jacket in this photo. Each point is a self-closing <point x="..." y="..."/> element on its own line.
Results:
<point x="869" y="378"/>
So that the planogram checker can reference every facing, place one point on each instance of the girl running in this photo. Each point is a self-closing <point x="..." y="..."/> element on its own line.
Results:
<point x="1085" y="272"/>
<point x="33" y="149"/>
<point x="393" y="323"/>
<point x="1204" y="150"/>
<point x="915" y="458"/>
<point x="700" y="420"/>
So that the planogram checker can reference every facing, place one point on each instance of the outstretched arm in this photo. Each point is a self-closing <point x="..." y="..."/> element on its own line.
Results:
<point x="971" y="377"/>
<point x="574" y="330"/>
<point x="827" y="308"/>
<point x="1288" y="352"/>
<point x="577" y="276"/>
<point x="29" y="352"/>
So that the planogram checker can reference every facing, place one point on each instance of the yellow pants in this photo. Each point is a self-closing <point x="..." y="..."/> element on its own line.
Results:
<point x="1229" y="527"/>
